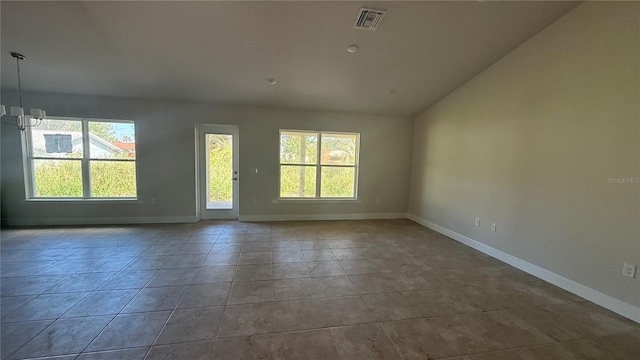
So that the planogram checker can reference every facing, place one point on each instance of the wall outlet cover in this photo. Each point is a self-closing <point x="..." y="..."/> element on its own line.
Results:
<point x="629" y="270"/>
<point x="477" y="222"/>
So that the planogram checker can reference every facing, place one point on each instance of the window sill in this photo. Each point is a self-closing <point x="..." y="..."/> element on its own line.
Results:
<point x="86" y="201"/>
<point x="315" y="200"/>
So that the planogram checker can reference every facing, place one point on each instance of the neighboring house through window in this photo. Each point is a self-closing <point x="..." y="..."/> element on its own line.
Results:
<point x="81" y="158"/>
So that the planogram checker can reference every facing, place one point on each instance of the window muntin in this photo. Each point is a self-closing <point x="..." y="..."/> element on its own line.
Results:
<point x="305" y="172"/>
<point x="81" y="158"/>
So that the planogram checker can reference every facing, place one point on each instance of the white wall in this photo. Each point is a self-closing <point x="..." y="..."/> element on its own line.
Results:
<point x="166" y="160"/>
<point x="530" y="144"/>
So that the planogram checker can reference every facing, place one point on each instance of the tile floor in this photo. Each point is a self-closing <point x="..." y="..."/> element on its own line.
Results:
<point x="386" y="289"/>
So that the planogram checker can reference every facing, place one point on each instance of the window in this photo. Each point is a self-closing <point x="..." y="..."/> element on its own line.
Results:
<point x="318" y="164"/>
<point x="79" y="158"/>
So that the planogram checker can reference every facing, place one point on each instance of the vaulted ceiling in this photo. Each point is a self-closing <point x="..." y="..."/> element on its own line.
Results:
<point x="222" y="52"/>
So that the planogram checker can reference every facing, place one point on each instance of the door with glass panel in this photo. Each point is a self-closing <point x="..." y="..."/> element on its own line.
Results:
<point x="218" y="171"/>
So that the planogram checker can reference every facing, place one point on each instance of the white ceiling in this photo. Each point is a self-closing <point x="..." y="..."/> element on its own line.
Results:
<point x="222" y="52"/>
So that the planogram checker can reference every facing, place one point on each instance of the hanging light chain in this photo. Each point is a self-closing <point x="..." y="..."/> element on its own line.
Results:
<point x="19" y="81"/>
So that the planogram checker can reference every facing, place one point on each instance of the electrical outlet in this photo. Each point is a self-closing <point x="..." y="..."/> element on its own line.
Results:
<point x="254" y="200"/>
<point x="493" y="227"/>
<point x="153" y="201"/>
<point x="477" y="221"/>
<point x="629" y="270"/>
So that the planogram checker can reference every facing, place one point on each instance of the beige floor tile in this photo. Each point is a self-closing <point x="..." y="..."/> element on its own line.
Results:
<point x="290" y="270"/>
<point x="363" y="342"/>
<point x="259" y="347"/>
<point x="542" y="293"/>
<point x="439" y="301"/>
<point x="416" y="339"/>
<point x="251" y="258"/>
<point x="253" y="272"/>
<point x="620" y="346"/>
<point x="259" y="246"/>
<point x="333" y="286"/>
<point x="294" y="289"/>
<point x="348" y="310"/>
<point x="359" y="267"/>
<point x="129" y="354"/>
<point x="581" y="349"/>
<point x="390" y="306"/>
<point x="287" y="256"/>
<point x="191" y="350"/>
<point x="318" y="255"/>
<point x="204" y="295"/>
<point x="221" y="258"/>
<point x="372" y="283"/>
<point x="248" y="319"/>
<point x="325" y="268"/>
<point x="250" y="292"/>
<point x="299" y="315"/>
<point x="214" y="275"/>
<point x="555" y="325"/>
<point x="191" y="325"/>
<point x="470" y="333"/>
<point x="514" y="330"/>
<point x="501" y="355"/>
<point x="285" y="245"/>
<point x="596" y="320"/>
<point x="312" y="244"/>
<point x="308" y="345"/>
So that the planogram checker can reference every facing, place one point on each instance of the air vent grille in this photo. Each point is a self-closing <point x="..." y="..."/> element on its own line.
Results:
<point x="368" y="19"/>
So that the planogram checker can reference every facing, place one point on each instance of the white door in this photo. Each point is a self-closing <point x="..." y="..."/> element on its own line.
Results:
<point x="218" y="171"/>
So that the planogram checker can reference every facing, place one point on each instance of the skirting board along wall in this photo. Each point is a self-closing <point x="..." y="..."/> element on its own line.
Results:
<point x="627" y="310"/>
<point x="298" y="217"/>
<point x="190" y="219"/>
<point x="100" y="220"/>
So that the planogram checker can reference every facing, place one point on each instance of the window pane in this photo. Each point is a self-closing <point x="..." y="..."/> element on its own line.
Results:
<point x="57" y="138"/>
<point x="57" y="178"/>
<point x="337" y="182"/>
<point x="220" y="171"/>
<point x="112" y="140"/>
<point x="113" y="178"/>
<point x="298" y="147"/>
<point x="297" y="181"/>
<point x="339" y="149"/>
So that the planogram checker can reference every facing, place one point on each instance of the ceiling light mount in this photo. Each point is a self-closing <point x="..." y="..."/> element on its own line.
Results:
<point x="23" y="121"/>
<point x="353" y="48"/>
<point x="18" y="56"/>
<point x="271" y="81"/>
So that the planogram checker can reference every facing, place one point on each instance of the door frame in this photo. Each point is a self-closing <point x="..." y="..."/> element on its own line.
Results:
<point x="201" y="172"/>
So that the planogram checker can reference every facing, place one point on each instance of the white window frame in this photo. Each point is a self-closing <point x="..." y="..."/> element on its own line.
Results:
<point x="28" y="159"/>
<point x="318" y="165"/>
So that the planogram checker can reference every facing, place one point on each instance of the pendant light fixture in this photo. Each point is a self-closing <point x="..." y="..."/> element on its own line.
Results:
<point x="23" y="121"/>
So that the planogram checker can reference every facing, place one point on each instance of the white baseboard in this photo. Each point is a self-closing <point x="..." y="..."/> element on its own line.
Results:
<point x="627" y="310"/>
<point x="298" y="217"/>
<point x="100" y="220"/>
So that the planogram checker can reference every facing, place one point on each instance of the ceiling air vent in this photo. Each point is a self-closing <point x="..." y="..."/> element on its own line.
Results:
<point x="368" y="19"/>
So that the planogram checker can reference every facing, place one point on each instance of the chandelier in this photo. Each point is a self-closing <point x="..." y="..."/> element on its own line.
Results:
<point x="23" y="121"/>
